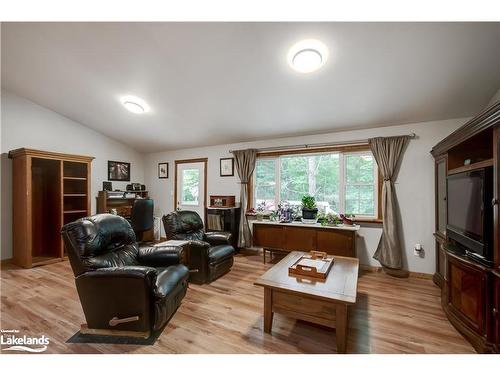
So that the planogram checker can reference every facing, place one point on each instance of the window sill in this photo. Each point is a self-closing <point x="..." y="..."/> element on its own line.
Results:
<point x="369" y="221"/>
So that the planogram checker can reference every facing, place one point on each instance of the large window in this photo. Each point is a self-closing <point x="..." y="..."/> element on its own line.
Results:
<point x="342" y="182"/>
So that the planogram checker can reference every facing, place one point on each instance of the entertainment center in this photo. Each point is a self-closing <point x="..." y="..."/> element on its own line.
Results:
<point x="467" y="233"/>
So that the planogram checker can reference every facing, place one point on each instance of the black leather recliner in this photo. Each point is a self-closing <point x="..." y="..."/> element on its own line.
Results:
<point x="210" y="253"/>
<point x="116" y="279"/>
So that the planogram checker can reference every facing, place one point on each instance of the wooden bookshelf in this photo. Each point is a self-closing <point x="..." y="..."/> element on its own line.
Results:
<point x="53" y="189"/>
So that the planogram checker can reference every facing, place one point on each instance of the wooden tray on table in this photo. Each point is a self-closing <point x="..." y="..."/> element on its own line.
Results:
<point x="315" y="264"/>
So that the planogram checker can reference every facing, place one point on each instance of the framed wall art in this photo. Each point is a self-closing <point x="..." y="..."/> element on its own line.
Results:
<point x="118" y="171"/>
<point x="226" y="167"/>
<point x="162" y="170"/>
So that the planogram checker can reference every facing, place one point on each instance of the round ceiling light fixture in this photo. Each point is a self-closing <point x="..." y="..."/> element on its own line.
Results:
<point x="135" y="104"/>
<point x="307" y="56"/>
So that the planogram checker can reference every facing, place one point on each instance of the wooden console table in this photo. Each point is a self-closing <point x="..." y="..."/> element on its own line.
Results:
<point x="287" y="237"/>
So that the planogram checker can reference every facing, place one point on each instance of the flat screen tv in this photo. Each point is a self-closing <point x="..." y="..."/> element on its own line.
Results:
<point x="470" y="212"/>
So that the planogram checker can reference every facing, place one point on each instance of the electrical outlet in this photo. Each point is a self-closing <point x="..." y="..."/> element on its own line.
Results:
<point x="418" y="251"/>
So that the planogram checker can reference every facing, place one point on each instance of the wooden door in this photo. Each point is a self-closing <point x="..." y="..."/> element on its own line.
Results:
<point x="21" y="211"/>
<point x="336" y="242"/>
<point x="496" y="310"/>
<point x="440" y="275"/>
<point x="496" y="196"/>
<point x="299" y="239"/>
<point x="440" y="170"/>
<point x="268" y="236"/>
<point x="441" y="212"/>
<point x="467" y="293"/>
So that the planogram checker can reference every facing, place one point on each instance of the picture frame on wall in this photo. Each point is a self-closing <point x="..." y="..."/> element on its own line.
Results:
<point x="162" y="170"/>
<point x="118" y="171"/>
<point x="226" y="167"/>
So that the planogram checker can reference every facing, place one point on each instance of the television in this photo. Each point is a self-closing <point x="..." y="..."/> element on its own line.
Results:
<point x="470" y="213"/>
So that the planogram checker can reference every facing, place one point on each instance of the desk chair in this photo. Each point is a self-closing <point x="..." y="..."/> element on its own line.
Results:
<point x="142" y="217"/>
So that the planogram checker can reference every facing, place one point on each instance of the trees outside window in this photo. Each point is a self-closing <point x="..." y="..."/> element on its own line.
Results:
<point x="340" y="182"/>
<point x="190" y="186"/>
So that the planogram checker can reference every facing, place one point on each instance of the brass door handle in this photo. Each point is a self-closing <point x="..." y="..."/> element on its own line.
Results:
<point x="115" y="321"/>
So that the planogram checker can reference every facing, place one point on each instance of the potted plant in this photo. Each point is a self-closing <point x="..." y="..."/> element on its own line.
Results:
<point x="309" y="209"/>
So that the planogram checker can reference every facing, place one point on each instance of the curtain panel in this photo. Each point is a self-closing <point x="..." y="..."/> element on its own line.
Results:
<point x="245" y="165"/>
<point x="388" y="154"/>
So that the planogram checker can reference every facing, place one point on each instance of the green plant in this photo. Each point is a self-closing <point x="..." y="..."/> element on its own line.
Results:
<point x="308" y="202"/>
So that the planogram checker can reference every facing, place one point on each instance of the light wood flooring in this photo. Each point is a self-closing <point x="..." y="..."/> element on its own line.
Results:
<point x="391" y="316"/>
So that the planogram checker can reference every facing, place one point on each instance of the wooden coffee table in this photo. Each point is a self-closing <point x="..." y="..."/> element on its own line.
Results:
<point x="321" y="302"/>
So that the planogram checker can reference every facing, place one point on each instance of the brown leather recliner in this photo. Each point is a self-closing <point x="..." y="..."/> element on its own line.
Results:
<point x="116" y="279"/>
<point x="210" y="253"/>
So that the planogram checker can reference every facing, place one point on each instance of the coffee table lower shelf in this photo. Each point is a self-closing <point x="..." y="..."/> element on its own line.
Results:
<point x="328" y="314"/>
<point x="324" y="303"/>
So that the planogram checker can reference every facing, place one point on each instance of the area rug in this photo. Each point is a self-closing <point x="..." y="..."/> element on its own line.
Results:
<point x="79" y="338"/>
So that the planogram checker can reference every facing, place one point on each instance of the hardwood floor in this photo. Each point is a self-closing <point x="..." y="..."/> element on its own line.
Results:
<point x="391" y="316"/>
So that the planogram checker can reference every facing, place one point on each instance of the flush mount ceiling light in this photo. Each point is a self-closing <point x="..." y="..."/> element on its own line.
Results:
<point x="307" y="56"/>
<point x="135" y="104"/>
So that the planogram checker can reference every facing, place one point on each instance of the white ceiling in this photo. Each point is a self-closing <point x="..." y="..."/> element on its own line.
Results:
<point x="214" y="83"/>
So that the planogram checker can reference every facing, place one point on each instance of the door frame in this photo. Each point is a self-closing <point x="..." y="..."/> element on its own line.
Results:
<point x="187" y="161"/>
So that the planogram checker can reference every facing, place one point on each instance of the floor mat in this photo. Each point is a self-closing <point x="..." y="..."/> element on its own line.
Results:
<point x="80" y="338"/>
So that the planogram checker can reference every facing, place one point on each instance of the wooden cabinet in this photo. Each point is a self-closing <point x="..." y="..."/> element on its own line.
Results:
<point x="467" y="285"/>
<point x="49" y="190"/>
<point x="470" y="291"/>
<point x="496" y="311"/>
<point x="225" y="220"/>
<point x="297" y="237"/>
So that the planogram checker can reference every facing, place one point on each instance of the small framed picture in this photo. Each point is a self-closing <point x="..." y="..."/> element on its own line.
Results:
<point x="226" y="167"/>
<point x="162" y="170"/>
<point x="118" y="171"/>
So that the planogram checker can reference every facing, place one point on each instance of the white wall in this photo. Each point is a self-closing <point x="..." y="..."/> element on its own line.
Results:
<point x="26" y="124"/>
<point x="414" y="186"/>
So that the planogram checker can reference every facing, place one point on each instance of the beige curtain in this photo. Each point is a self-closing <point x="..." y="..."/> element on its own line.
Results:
<point x="387" y="153"/>
<point x="245" y="164"/>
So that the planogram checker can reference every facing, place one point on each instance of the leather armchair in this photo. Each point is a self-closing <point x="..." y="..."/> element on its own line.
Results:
<point x="210" y="253"/>
<point x="116" y="279"/>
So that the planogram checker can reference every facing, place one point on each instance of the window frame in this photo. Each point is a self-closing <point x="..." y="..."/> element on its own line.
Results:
<point x="376" y="184"/>
<point x="342" y="150"/>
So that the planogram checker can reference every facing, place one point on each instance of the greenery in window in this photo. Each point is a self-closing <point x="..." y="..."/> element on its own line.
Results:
<point x="360" y="184"/>
<point x="315" y="175"/>
<point x="339" y="182"/>
<point x="190" y="188"/>
<point x="265" y="176"/>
